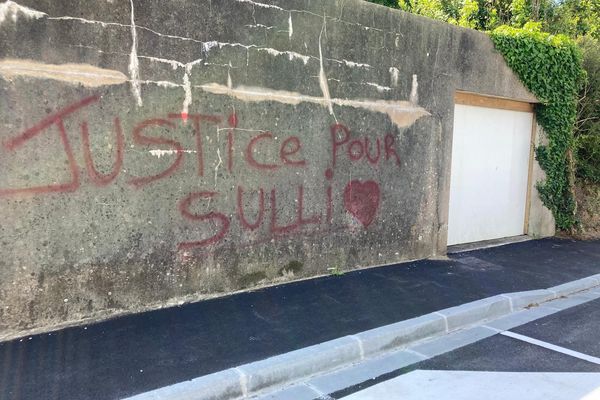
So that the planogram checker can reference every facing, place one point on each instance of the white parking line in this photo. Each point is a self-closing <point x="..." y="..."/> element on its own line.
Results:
<point x="551" y="346"/>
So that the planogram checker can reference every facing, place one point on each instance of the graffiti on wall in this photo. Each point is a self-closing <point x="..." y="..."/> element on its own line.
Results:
<point x="361" y="199"/>
<point x="255" y="208"/>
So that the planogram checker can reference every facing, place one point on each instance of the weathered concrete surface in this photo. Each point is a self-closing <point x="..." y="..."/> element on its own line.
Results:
<point x="163" y="151"/>
<point x="541" y="221"/>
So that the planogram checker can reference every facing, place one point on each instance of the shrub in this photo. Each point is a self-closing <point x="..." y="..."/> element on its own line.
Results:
<point x="587" y="130"/>
<point x="588" y="157"/>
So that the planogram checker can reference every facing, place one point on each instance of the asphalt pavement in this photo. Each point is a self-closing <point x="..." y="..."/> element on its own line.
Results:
<point x="137" y="353"/>
<point x="556" y="357"/>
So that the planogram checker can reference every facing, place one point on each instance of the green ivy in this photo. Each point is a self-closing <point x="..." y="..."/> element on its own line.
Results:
<point x="550" y="66"/>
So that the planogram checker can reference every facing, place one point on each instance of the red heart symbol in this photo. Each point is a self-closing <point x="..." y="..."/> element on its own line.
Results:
<point x="361" y="199"/>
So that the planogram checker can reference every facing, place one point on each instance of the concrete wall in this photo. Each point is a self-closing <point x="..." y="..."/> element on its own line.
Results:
<point x="161" y="151"/>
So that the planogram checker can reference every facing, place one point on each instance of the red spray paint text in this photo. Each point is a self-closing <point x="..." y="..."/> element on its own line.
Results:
<point x="361" y="199"/>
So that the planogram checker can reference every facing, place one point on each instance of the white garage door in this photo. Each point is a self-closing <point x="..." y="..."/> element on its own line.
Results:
<point x="489" y="176"/>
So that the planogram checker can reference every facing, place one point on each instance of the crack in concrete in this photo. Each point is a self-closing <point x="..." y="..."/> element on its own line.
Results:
<point x="134" y="67"/>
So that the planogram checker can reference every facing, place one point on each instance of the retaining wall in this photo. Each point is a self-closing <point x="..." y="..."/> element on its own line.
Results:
<point x="155" y="152"/>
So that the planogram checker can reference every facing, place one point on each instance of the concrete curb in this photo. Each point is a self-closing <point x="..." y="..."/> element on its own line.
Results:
<point x="249" y="379"/>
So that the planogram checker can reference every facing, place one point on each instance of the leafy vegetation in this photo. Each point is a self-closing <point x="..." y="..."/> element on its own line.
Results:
<point x="587" y="145"/>
<point x="550" y="66"/>
<point x="573" y="18"/>
<point x="543" y="42"/>
<point x="588" y="154"/>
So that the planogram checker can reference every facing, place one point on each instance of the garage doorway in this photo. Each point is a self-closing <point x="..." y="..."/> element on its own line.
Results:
<point x="491" y="163"/>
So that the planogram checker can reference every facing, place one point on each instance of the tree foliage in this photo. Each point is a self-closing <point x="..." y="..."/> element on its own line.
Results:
<point x="573" y="18"/>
